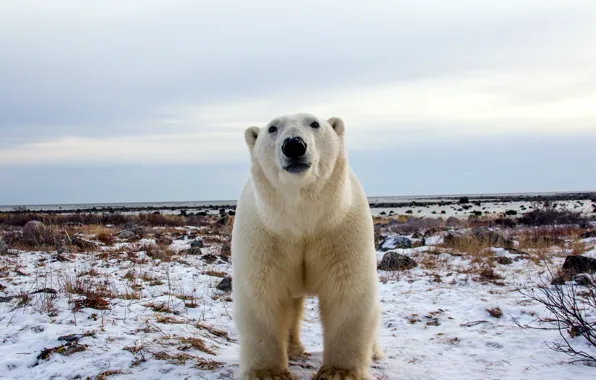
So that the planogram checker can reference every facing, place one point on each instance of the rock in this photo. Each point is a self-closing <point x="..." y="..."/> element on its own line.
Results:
<point x="194" y="251"/>
<point x="225" y="285"/>
<point x="209" y="258"/>
<point x="130" y="226"/>
<point x="126" y="234"/>
<point x="34" y="231"/>
<point x="495" y="238"/>
<point x="163" y="240"/>
<point x="3" y="247"/>
<point x="587" y="235"/>
<point x="394" y="261"/>
<point x="583" y="279"/>
<point x="45" y="290"/>
<point x="393" y="242"/>
<point x="70" y="338"/>
<point x="453" y="222"/>
<point x="5" y="299"/>
<point x="516" y="251"/>
<point x="63" y="250"/>
<point x="83" y="244"/>
<point x="198" y="243"/>
<point x="454" y="239"/>
<point x="580" y="264"/>
<point x="226" y="250"/>
<point x="558" y="281"/>
<point x="73" y="348"/>
<point x="504" y="260"/>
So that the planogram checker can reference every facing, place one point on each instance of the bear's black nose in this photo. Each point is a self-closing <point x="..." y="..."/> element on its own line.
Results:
<point x="294" y="147"/>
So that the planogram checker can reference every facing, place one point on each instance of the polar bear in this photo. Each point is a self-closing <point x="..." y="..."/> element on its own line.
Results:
<point x="303" y="227"/>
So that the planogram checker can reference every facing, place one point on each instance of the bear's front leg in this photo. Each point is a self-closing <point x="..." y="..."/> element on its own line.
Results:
<point x="263" y="334"/>
<point x="295" y="347"/>
<point x="349" y="316"/>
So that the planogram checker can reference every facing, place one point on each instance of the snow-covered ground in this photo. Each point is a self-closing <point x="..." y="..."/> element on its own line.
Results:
<point x="167" y="320"/>
<point x="486" y="208"/>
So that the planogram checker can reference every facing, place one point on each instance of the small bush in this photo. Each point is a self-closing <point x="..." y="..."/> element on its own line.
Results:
<point x="573" y="310"/>
<point x="549" y="215"/>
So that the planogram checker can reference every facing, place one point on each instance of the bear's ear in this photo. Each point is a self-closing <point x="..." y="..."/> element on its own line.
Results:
<point x="337" y="124"/>
<point x="250" y="135"/>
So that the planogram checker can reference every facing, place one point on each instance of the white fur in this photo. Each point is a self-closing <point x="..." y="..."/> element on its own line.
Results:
<point x="303" y="234"/>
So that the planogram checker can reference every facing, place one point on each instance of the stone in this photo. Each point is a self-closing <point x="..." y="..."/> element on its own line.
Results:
<point x="73" y="348"/>
<point x="225" y="285"/>
<point x="209" y="258"/>
<point x="34" y="231"/>
<point x="163" y="240"/>
<point x="3" y="247"/>
<point x="503" y="260"/>
<point x="393" y="261"/>
<point x="198" y="243"/>
<point x="580" y="264"/>
<point x="584" y="280"/>
<point x="45" y="290"/>
<point x="194" y="251"/>
<point x="226" y="250"/>
<point x="453" y="222"/>
<point x="126" y="234"/>
<point x="393" y="242"/>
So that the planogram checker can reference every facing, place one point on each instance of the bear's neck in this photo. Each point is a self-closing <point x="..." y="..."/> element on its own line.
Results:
<point x="313" y="208"/>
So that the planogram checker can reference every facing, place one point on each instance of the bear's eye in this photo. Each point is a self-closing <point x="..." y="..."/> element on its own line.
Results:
<point x="314" y="124"/>
<point x="272" y="129"/>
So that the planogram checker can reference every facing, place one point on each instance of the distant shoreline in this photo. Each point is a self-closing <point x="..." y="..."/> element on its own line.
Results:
<point x="374" y="202"/>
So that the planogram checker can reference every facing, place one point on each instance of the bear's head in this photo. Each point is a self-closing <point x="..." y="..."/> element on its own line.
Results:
<point x="296" y="148"/>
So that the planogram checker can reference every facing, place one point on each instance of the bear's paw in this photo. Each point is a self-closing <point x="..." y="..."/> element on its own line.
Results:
<point x="326" y="373"/>
<point x="270" y="375"/>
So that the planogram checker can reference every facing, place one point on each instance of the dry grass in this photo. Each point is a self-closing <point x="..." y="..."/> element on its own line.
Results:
<point x="166" y="319"/>
<point x="157" y="252"/>
<point x="178" y="358"/>
<point x="578" y="248"/>
<point x="87" y="293"/>
<point x="110" y="372"/>
<point x="195" y="343"/>
<point x="213" y="273"/>
<point x="214" y="331"/>
<point x="478" y="249"/>
<point x="495" y="312"/>
<point x="487" y="274"/>
<point x="161" y="307"/>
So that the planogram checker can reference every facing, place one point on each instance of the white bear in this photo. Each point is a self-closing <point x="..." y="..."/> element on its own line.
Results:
<point x="303" y="227"/>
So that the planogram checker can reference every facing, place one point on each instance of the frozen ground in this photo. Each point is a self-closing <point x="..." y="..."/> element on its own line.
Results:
<point x="486" y="208"/>
<point x="166" y="319"/>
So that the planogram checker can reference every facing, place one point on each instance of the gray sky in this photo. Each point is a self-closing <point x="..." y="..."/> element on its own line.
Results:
<point x="148" y="100"/>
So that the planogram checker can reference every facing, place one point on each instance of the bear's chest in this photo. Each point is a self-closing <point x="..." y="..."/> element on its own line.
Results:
<point x="305" y="264"/>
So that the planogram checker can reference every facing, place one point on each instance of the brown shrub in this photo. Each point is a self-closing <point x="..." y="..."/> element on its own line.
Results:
<point x="547" y="215"/>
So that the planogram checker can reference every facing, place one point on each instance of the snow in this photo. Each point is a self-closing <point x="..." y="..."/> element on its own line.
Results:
<point x="435" y="323"/>
<point x="486" y="207"/>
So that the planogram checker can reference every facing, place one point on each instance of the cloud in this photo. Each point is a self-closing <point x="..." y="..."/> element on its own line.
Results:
<point x="153" y="82"/>
<point x="110" y="68"/>
<point x="434" y="109"/>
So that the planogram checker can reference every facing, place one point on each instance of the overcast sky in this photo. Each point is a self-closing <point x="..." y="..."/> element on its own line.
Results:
<point x="114" y="101"/>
